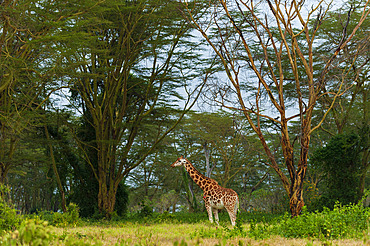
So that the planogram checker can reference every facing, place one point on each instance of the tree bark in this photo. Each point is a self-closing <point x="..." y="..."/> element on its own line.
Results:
<point x="207" y="156"/>
<point x="57" y="177"/>
<point x="7" y="155"/>
<point x="3" y="173"/>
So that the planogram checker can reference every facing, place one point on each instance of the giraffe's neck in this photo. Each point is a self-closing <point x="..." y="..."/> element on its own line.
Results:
<point x="202" y="181"/>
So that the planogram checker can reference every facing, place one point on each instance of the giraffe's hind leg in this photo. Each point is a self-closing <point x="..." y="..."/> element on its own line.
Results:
<point x="232" y="209"/>
<point x="232" y="215"/>
<point x="215" y="213"/>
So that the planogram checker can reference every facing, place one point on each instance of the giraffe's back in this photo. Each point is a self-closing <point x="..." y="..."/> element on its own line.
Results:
<point x="222" y="197"/>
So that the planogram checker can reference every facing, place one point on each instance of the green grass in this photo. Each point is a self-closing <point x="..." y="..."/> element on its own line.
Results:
<point x="202" y="233"/>
<point x="344" y="225"/>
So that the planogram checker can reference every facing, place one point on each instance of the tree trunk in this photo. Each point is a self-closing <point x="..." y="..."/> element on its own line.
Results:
<point x="366" y="153"/>
<point x="108" y="188"/>
<point x="59" y="183"/>
<point x="296" y="202"/>
<point x="207" y="155"/>
<point x="365" y="167"/>
<point x="2" y="179"/>
<point x="2" y="172"/>
<point x="106" y="200"/>
<point x="6" y="153"/>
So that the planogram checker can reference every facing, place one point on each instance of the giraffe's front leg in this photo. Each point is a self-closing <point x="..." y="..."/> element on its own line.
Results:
<point x="208" y="208"/>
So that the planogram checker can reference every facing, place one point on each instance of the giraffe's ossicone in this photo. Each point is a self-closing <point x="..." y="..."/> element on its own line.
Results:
<point x="215" y="197"/>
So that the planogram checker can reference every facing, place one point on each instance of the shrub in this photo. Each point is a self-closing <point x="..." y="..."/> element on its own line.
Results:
<point x="73" y="213"/>
<point x="146" y="209"/>
<point x="38" y="233"/>
<point x="344" y="221"/>
<point x="30" y="232"/>
<point x="340" y="163"/>
<point x="164" y="217"/>
<point x="9" y="219"/>
<point x="70" y="218"/>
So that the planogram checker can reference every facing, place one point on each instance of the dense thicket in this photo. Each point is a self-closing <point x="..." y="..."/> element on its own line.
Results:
<point x="340" y="164"/>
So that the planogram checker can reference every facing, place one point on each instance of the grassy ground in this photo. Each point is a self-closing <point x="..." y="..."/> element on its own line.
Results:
<point x="344" y="225"/>
<point x="200" y="233"/>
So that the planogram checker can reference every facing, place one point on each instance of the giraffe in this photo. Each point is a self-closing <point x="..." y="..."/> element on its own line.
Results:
<point x="215" y="197"/>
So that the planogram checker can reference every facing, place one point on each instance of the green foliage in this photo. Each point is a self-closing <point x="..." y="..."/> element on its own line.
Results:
<point x="73" y="212"/>
<point x="164" y="217"/>
<point x="256" y="231"/>
<point x="186" y="217"/>
<point x="349" y="221"/>
<point x="38" y="233"/>
<point x="344" y="221"/>
<point x="340" y="162"/>
<point x="9" y="218"/>
<point x="182" y="243"/>
<point x="311" y="194"/>
<point x="31" y="232"/>
<point x="274" y="201"/>
<point x="70" y="218"/>
<point x="259" y="230"/>
<point x="146" y="209"/>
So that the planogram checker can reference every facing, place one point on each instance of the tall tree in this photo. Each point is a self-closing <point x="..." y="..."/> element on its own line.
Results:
<point x="125" y="71"/>
<point x="349" y="112"/>
<point x="246" y="42"/>
<point x="351" y="67"/>
<point x="24" y="28"/>
<point x="218" y="137"/>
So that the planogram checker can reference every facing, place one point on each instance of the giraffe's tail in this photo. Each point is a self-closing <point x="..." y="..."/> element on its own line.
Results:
<point x="237" y="207"/>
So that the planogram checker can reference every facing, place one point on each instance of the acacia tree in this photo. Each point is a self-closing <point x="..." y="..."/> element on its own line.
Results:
<point x="248" y="42"/>
<point x="349" y="112"/>
<point x="24" y="71"/>
<point x="351" y="66"/>
<point x="12" y="70"/>
<point x="123" y="74"/>
<point x="217" y="137"/>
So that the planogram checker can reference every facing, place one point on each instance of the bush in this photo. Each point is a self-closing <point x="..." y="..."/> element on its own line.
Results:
<point x="164" y="217"/>
<point x="73" y="213"/>
<point x="31" y="232"/>
<point x="38" y="233"/>
<point x="9" y="219"/>
<point x="340" y="162"/>
<point x="344" y="221"/>
<point x="146" y="209"/>
<point x="70" y="218"/>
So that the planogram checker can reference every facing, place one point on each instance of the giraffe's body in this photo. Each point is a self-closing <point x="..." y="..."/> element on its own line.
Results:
<point x="215" y="197"/>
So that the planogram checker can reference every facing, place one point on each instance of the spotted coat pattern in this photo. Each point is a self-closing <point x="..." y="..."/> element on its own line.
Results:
<point x="215" y="196"/>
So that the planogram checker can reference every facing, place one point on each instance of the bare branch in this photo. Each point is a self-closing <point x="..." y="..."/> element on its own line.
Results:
<point x="342" y="44"/>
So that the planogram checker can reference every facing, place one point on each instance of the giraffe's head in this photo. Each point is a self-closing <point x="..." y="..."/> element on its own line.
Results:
<point x="179" y="162"/>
